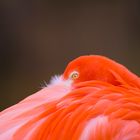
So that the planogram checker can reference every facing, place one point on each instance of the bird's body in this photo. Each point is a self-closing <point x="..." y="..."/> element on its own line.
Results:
<point x="95" y="99"/>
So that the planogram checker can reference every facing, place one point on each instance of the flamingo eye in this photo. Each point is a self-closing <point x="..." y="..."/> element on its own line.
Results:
<point x="74" y="75"/>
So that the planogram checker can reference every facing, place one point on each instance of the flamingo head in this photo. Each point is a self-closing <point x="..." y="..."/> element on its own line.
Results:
<point x="90" y="67"/>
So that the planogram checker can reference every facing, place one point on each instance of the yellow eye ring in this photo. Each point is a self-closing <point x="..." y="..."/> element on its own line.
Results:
<point x="74" y="75"/>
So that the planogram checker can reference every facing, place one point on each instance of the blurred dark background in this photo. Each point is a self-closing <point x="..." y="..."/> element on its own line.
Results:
<point x="39" y="38"/>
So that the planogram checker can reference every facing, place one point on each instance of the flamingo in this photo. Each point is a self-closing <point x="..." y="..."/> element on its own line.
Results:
<point x="95" y="98"/>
